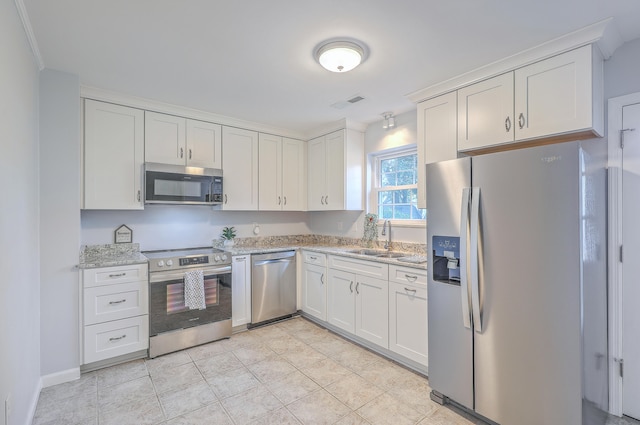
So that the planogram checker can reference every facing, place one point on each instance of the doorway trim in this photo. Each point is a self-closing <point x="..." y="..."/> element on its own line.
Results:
<point x="614" y="125"/>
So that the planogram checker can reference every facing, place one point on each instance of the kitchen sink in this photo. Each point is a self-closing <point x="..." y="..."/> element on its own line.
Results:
<point x="391" y="255"/>
<point x="372" y="252"/>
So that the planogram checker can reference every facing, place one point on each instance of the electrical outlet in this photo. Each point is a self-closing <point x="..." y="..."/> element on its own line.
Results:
<point x="8" y="406"/>
<point x="340" y="225"/>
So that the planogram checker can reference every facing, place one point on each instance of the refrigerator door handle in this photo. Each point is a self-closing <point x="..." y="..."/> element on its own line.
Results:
<point x="464" y="235"/>
<point x="474" y="259"/>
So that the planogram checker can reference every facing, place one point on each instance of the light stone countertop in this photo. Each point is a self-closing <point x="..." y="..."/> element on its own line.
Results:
<point x="109" y="255"/>
<point x="419" y="261"/>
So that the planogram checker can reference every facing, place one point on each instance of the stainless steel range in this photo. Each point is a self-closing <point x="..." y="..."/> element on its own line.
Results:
<point x="172" y="325"/>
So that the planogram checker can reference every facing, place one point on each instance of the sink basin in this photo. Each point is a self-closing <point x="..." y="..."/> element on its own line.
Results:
<point x="413" y="259"/>
<point x="366" y="252"/>
<point x="391" y="255"/>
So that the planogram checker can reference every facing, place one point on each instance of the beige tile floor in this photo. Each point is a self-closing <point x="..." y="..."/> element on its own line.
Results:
<point x="292" y="372"/>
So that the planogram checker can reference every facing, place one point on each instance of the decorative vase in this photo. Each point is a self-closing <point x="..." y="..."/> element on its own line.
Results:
<point x="228" y="242"/>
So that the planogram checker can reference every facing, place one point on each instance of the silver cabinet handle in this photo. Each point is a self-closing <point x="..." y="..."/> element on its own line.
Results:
<point x="357" y="286"/>
<point x="322" y="200"/>
<point x="507" y="124"/>
<point x="410" y="278"/>
<point x="138" y="196"/>
<point x="181" y="153"/>
<point x="190" y="154"/>
<point x="279" y="200"/>
<point x="351" y="287"/>
<point x="313" y="258"/>
<point x="117" y="275"/>
<point x="411" y="290"/>
<point x="117" y="302"/>
<point x="117" y="338"/>
<point x="326" y="200"/>
<point x="521" y="121"/>
<point x="225" y="198"/>
<point x="322" y="278"/>
<point x="285" y="200"/>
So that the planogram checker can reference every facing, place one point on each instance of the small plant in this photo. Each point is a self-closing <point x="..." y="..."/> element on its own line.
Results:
<point x="228" y="233"/>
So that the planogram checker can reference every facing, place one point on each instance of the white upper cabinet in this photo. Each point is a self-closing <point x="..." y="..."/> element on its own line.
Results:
<point x="557" y="95"/>
<point x="204" y="144"/>
<point x="282" y="176"/>
<point x="335" y="171"/>
<point x="558" y="99"/>
<point x="113" y="156"/>
<point x="181" y="141"/>
<point x="240" y="169"/>
<point x="294" y="175"/>
<point x="437" y="135"/>
<point x="485" y="113"/>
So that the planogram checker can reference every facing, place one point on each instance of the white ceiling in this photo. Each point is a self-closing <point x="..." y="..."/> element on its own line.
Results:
<point x="253" y="59"/>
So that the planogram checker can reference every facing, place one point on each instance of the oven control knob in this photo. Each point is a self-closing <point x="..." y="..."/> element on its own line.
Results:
<point x="216" y="258"/>
<point x="169" y="263"/>
<point x="160" y="263"/>
<point x="224" y="257"/>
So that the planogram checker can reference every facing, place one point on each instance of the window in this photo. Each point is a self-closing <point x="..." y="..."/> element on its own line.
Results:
<point x="396" y="186"/>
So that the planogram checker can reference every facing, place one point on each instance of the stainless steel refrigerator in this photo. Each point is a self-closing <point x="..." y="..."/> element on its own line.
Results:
<point x="517" y="301"/>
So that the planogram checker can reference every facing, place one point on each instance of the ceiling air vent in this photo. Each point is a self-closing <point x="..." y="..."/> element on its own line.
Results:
<point x="355" y="99"/>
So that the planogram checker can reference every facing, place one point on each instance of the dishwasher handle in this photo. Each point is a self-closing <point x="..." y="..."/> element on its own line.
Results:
<point x="263" y="262"/>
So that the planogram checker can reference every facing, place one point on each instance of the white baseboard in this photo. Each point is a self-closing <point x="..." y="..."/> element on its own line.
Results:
<point x="60" y="377"/>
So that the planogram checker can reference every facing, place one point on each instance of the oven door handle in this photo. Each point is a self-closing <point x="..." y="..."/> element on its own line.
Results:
<point x="164" y="276"/>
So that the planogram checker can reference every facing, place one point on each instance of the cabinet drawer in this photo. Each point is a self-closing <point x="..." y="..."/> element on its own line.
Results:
<point x="113" y="302"/>
<point x="360" y="267"/>
<point x="408" y="275"/>
<point x="118" y="274"/>
<point x="111" y="339"/>
<point x="314" y="258"/>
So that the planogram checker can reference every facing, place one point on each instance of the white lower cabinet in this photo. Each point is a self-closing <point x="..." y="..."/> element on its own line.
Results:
<point x="359" y="298"/>
<point x="408" y="334"/>
<point x="314" y="288"/>
<point x="114" y="311"/>
<point x="240" y="290"/>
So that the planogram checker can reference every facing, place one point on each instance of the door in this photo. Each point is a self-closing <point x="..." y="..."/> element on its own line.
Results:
<point x="164" y="138"/>
<point x="335" y="159"/>
<point x="527" y="341"/>
<point x="485" y="113"/>
<point x="317" y="169"/>
<point x="554" y="95"/>
<point x="270" y="172"/>
<point x="450" y="349"/>
<point x="113" y="156"/>
<point x="294" y="175"/>
<point x="408" y="321"/>
<point x="341" y="303"/>
<point x="314" y="294"/>
<point x="372" y="310"/>
<point x="240" y="168"/>
<point x="204" y="144"/>
<point x="631" y="267"/>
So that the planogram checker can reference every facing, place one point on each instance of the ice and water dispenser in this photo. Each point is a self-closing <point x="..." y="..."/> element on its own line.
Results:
<point x="446" y="258"/>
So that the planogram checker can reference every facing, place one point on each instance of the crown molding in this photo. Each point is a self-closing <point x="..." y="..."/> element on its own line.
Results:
<point x="181" y="111"/>
<point x="28" y="29"/>
<point x="603" y="33"/>
<point x="342" y="124"/>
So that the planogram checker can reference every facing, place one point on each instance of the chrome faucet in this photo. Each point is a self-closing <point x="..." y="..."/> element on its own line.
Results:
<point x="387" y="244"/>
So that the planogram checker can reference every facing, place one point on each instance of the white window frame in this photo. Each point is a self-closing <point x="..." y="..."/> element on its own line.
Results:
<point x="374" y="184"/>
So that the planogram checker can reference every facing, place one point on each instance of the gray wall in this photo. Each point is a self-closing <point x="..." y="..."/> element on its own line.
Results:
<point x="19" y="224"/>
<point x="622" y="71"/>
<point x="59" y="220"/>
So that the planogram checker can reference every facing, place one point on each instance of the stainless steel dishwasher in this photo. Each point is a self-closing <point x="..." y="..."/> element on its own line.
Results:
<point x="273" y="286"/>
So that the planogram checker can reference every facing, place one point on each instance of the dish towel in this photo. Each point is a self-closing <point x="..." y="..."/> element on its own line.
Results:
<point x="194" y="290"/>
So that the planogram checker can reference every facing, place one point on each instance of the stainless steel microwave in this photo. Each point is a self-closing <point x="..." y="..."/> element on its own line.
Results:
<point x="177" y="184"/>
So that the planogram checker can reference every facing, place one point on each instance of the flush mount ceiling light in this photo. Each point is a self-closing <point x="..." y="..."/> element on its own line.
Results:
<point x="340" y="55"/>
